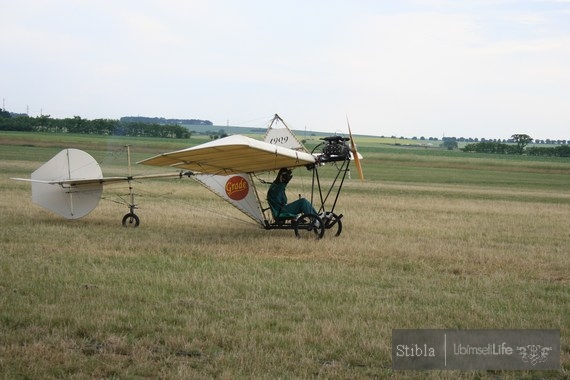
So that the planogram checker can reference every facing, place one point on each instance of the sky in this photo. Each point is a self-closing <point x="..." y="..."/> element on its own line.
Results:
<point x="432" y="68"/>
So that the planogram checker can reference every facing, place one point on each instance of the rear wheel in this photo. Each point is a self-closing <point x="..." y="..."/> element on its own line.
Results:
<point x="309" y="227"/>
<point x="131" y="220"/>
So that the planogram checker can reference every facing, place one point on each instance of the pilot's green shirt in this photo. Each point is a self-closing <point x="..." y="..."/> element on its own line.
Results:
<point x="277" y="200"/>
<point x="276" y="197"/>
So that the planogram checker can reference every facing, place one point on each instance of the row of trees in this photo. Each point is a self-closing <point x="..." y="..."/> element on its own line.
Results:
<point x="490" y="147"/>
<point x="163" y="121"/>
<point x="500" y="148"/>
<point x="557" y="151"/>
<point x="518" y="146"/>
<point x="76" y="124"/>
<point x="483" y="139"/>
<point x="519" y="140"/>
<point x="126" y="127"/>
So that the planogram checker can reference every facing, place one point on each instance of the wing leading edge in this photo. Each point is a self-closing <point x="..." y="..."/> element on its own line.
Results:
<point x="232" y="155"/>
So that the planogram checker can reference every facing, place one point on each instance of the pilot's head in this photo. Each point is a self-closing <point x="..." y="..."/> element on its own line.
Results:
<point x="284" y="175"/>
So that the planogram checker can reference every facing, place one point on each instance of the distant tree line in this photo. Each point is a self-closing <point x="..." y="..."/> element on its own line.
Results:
<point x="518" y="145"/>
<point x="489" y="147"/>
<point x="557" y="151"/>
<point x="500" y="148"/>
<point x="449" y="141"/>
<point x="483" y="139"/>
<point x="76" y="124"/>
<point x="161" y="120"/>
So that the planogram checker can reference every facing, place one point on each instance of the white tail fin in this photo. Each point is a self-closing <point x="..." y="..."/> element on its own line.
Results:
<point x="50" y="191"/>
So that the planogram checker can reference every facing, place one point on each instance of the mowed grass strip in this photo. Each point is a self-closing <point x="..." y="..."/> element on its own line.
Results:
<point x="199" y="292"/>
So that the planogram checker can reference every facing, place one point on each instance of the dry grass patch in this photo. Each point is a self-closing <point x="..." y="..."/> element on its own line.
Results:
<point x="197" y="291"/>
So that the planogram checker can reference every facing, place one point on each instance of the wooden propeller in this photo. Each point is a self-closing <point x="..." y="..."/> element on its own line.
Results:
<point x="355" y="153"/>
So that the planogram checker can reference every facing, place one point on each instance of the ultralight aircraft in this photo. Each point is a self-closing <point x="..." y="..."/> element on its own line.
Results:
<point x="70" y="184"/>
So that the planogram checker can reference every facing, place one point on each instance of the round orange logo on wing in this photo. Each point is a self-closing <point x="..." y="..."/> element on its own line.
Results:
<point x="237" y="188"/>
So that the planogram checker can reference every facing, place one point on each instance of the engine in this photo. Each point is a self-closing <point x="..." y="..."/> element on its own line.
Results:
<point x="335" y="148"/>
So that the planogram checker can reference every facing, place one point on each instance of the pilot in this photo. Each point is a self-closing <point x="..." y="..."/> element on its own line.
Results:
<point x="277" y="198"/>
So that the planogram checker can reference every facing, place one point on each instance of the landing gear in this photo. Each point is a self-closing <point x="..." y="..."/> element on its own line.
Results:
<point x="131" y="220"/>
<point x="309" y="226"/>
<point x="333" y="221"/>
<point x="305" y="226"/>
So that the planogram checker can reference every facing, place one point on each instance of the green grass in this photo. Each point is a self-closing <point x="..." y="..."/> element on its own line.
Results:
<point x="429" y="241"/>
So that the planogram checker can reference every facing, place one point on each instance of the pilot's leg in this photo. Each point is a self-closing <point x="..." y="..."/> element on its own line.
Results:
<point x="301" y="205"/>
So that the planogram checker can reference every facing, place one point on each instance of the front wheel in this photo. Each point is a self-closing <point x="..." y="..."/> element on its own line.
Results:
<point x="334" y="221"/>
<point x="309" y="227"/>
<point x="131" y="220"/>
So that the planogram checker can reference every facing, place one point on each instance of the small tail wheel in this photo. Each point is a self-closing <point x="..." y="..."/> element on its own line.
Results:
<point x="333" y="221"/>
<point x="131" y="220"/>
<point x="309" y="227"/>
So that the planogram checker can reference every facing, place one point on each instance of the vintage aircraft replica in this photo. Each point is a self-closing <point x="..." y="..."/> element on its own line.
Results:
<point x="71" y="183"/>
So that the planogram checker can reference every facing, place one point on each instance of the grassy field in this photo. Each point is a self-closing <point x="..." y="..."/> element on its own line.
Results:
<point x="432" y="239"/>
